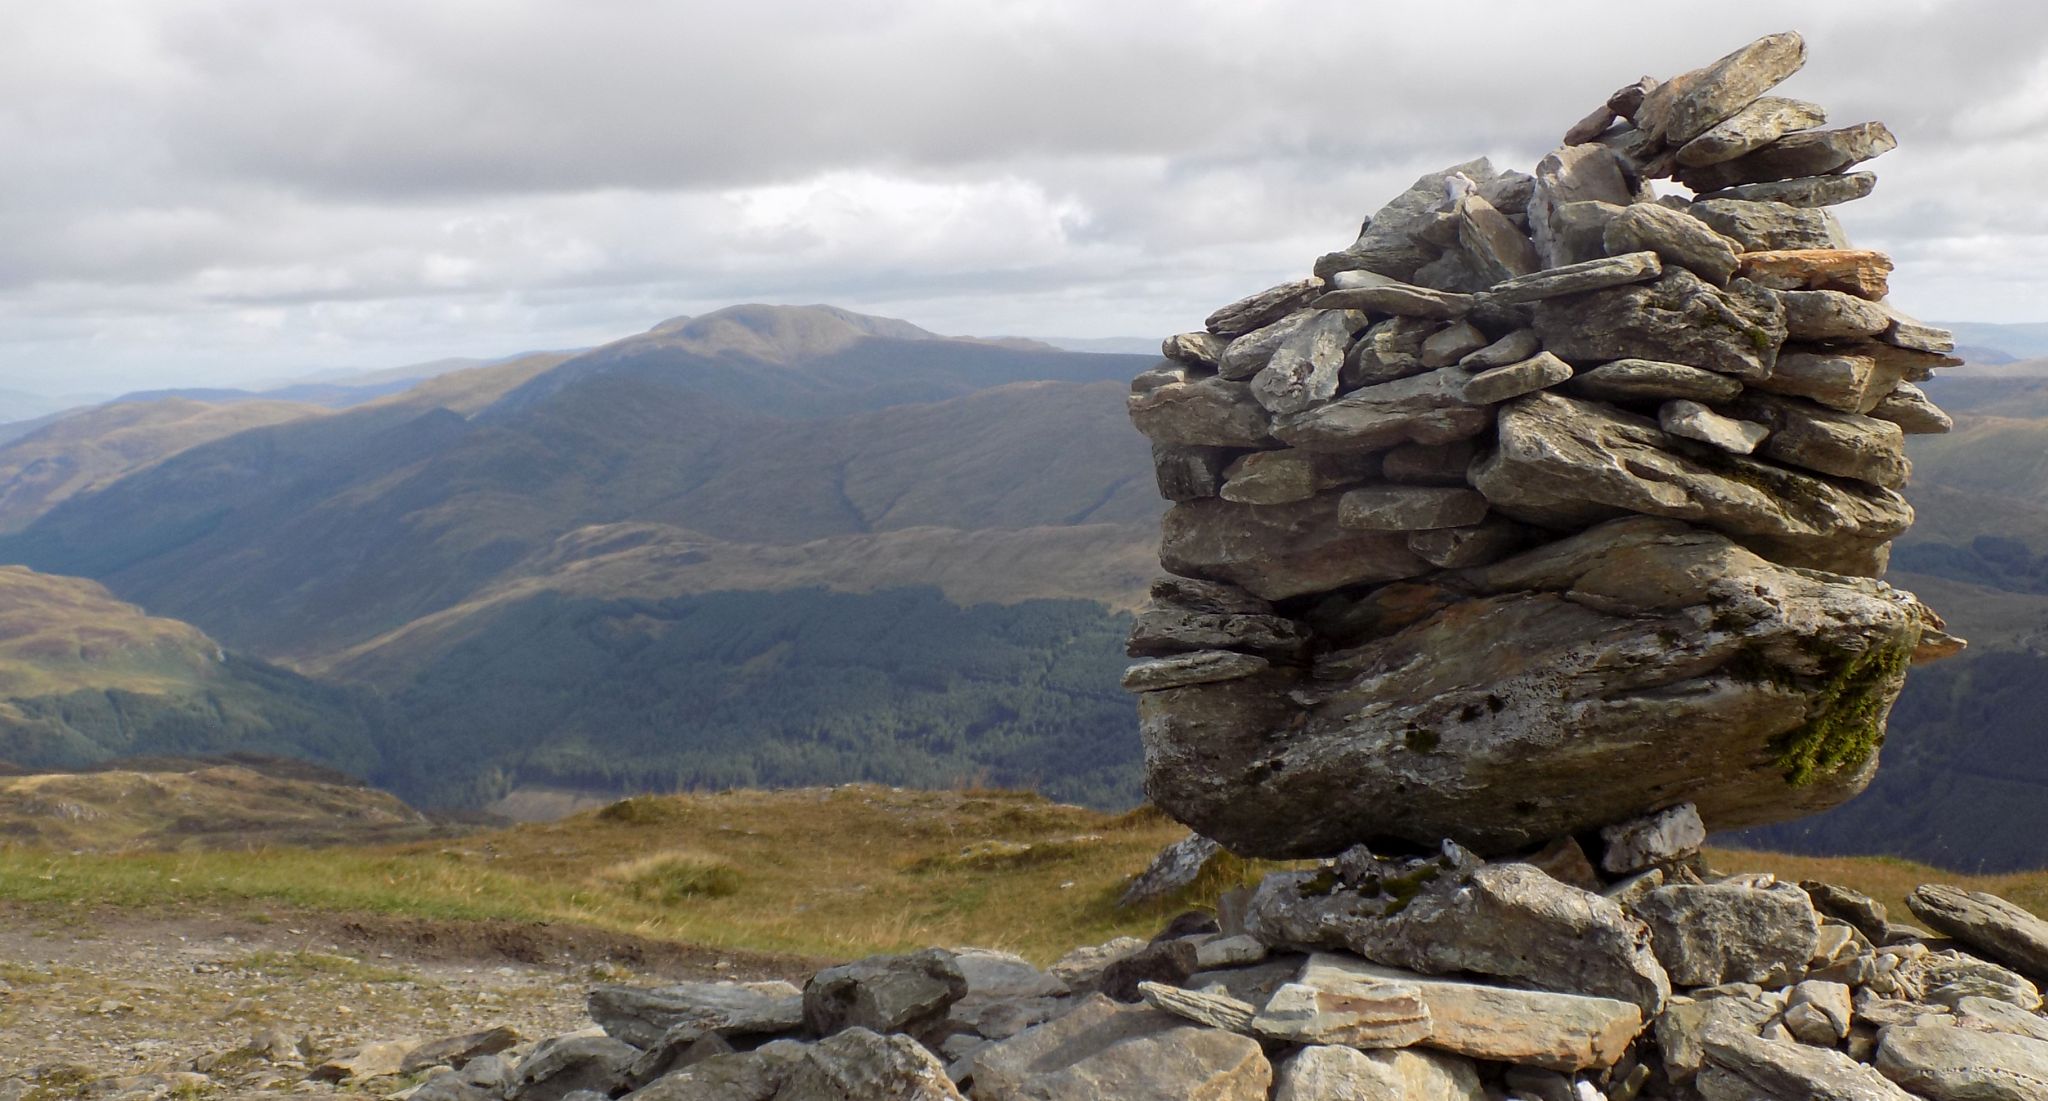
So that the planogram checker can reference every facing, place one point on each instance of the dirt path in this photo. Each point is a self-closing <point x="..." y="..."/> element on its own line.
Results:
<point x="131" y="1006"/>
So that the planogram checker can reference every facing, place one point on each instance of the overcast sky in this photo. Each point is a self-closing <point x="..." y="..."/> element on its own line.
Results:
<point x="226" y="191"/>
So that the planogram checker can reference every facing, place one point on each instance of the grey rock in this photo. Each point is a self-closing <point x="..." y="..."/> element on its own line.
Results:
<point x="1202" y="350"/>
<point x="1190" y="595"/>
<point x="884" y="993"/>
<point x="1565" y="463"/>
<point x="1846" y="381"/>
<point x="1823" y="1011"/>
<point x="1429" y="408"/>
<point x="1630" y="380"/>
<point x="1564" y="1032"/>
<point x="1246" y="355"/>
<point x="1498" y="246"/>
<point x="1742" y="1067"/>
<point x="1197" y="667"/>
<point x="1679" y="238"/>
<point x="1441" y="464"/>
<point x="1592" y="126"/>
<point x="1944" y="1063"/>
<point x="559" y="1067"/>
<point x="1168" y="961"/>
<point x="1681" y="1030"/>
<point x="742" y="1076"/>
<point x="1812" y="153"/>
<point x="1303" y="370"/>
<point x="1280" y="477"/>
<point x="1399" y="300"/>
<point x="1215" y="1010"/>
<point x="1577" y="232"/>
<point x="1749" y="129"/>
<point x="1857" y="271"/>
<point x="1945" y="978"/>
<point x="1807" y="191"/>
<point x="1185" y="472"/>
<point x="445" y="1087"/>
<point x="1571" y="175"/>
<point x="1867" y="915"/>
<point x="1760" y="227"/>
<point x="1992" y="1015"/>
<point x="1512" y="348"/>
<point x="1589" y="275"/>
<point x="1081" y="969"/>
<point x="1159" y="632"/>
<point x="860" y="1065"/>
<point x="1452" y="344"/>
<point x="454" y="1051"/>
<point x="1627" y="100"/>
<point x="1462" y="548"/>
<point x="1504" y="920"/>
<point x="1831" y="315"/>
<point x="1280" y="551"/>
<point x="1827" y="440"/>
<point x="1498" y="384"/>
<point x="1389" y="350"/>
<point x="1176" y="867"/>
<point x="1690" y="104"/>
<point x="1707" y="934"/>
<point x="1410" y="508"/>
<point x="1369" y="1014"/>
<point x="1201" y="412"/>
<point x="1694" y="421"/>
<point x="1671" y="834"/>
<point x="645" y="1017"/>
<point x="1912" y="333"/>
<point x="1238" y="950"/>
<point x="1388" y="244"/>
<point x="1988" y="925"/>
<point x="1908" y="407"/>
<point x="1264" y="308"/>
<point x="1332" y="1073"/>
<point x="1680" y="318"/>
<point x="1105" y="1050"/>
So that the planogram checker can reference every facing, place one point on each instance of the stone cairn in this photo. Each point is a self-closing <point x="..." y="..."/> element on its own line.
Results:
<point x="1532" y="536"/>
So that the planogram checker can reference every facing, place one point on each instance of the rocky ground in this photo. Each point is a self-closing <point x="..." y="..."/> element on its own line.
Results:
<point x="127" y="1005"/>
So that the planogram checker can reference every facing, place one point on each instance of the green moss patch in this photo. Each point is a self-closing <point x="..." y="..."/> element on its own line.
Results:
<point x="1847" y="720"/>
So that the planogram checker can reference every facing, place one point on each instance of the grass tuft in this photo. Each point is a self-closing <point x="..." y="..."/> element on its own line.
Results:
<point x="673" y="876"/>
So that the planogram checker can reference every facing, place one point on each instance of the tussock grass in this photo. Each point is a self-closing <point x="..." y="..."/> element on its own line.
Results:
<point x="674" y="876"/>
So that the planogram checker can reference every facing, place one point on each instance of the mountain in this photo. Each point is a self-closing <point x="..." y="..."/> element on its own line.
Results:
<point x="540" y="565"/>
<point x="2022" y="341"/>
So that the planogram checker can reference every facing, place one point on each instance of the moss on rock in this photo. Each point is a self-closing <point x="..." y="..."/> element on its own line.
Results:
<point x="1846" y="721"/>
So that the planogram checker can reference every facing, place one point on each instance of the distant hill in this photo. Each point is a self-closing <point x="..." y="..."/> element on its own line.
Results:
<point x="2022" y="341"/>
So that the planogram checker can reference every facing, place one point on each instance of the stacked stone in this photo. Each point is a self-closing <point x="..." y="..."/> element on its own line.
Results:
<point x="1550" y="501"/>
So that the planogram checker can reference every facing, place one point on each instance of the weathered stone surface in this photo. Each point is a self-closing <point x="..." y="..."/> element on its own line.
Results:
<point x="1201" y="412"/>
<point x="1565" y="1032"/>
<point x="860" y="1065"/>
<point x="1694" y="421"/>
<point x="1105" y="1050"/>
<point x="1339" y="1010"/>
<point x="1744" y="1067"/>
<point x="1677" y="237"/>
<point x="1945" y="1063"/>
<point x="1462" y="548"/>
<point x="1670" y="834"/>
<point x="1564" y="463"/>
<point x="1856" y="271"/>
<point x="1988" y="925"/>
<point x="1808" y="191"/>
<point x="1688" y="105"/>
<point x="1630" y="380"/>
<point x="1247" y="355"/>
<point x="1680" y="318"/>
<point x="1452" y="344"/>
<point x="1749" y="129"/>
<point x="1203" y="350"/>
<point x="1165" y="960"/>
<point x="1912" y="333"/>
<point x="884" y="993"/>
<point x="1330" y="1073"/>
<point x="1279" y="477"/>
<point x="1945" y="978"/>
<point x="559" y="1067"/>
<point x="1428" y="408"/>
<point x="1398" y="299"/>
<point x="1860" y="910"/>
<point x="1184" y="473"/>
<point x="1160" y="631"/>
<point x="1569" y="176"/>
<point x="1831" y="315"/>
<point x="1500" y="248"/>
<point x="1264" y="308"/>
<point x="1589" y="275"/>
<point x="1512" y="348"/>
<point x="1812" y="153"/>
<point x="1217" y="1010"/>
<point x="1387" y="244"/>
<point x="1389" y="350"/>
<point x="1190" y="595"/>
<point x="1441" y="464"/>
<point x="375" y="1060"/>
<point x="1714" y="933"/>
<point x="1682" y="1028"/>
<point x="1176" y="866"/>
<point x="1410" y="508"/>
<point x="1820" y="1012"/>
<point x="1303" y="370"/>
<point x="1504" y="920"/>
<point x="1908" y="407"/>
<point x="1765" y="227"/>
<point x="1991" y="1015"/>
<point x="1827" y="440"/>
<point x="1195" y="667"/>
<point x="1240" y="950"/>
<point x="1278" y="551"/>
<point x="454" y="1051"/>
<point x="1416" y="733"/>
<point x="1843" y="381"/>
<point x="1498" y="384"/>
<point x="645" y="1017"/>
<point x="743" y="1076"/>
